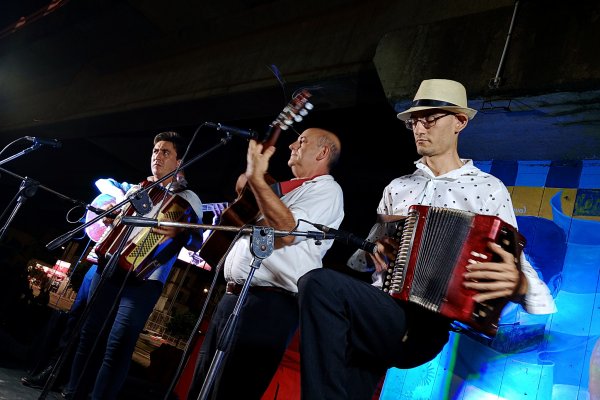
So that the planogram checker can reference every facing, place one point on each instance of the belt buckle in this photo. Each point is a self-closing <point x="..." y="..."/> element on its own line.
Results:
<point x="232" y="288"/>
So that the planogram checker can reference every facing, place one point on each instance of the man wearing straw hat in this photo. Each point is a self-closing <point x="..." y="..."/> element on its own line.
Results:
<point x="352" y="332"/>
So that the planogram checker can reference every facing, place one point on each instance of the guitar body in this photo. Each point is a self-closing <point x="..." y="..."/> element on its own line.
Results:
<point x="97" y="229"/>
<point x="244" y="210"/>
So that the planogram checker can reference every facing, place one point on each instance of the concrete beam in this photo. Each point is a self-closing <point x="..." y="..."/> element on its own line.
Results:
<point x="552" y="48"/>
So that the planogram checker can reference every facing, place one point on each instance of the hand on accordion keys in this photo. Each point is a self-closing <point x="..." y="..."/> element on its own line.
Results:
<point x="169" y="232"/>
<point x="493" y="280"/>
<point x="386" y="251"/>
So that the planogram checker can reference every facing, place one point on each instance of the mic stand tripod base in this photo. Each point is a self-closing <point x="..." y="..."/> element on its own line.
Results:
<point x="261" y="245"/>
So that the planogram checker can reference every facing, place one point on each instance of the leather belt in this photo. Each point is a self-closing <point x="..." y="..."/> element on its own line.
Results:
<point x="236" y="288"/>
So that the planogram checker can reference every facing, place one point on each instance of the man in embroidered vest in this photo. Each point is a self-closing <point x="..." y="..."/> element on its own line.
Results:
<point x="269" y="316"/>
<point x="351" y="331"/>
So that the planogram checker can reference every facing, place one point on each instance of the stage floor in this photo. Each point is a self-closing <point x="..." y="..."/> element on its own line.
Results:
<point x="13" y="366"/>
<point x="12" y="389"/>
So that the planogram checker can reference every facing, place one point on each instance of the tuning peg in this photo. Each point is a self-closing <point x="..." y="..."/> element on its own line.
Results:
<point x="288" y="121"/>
<point x="298" y="118"/>
<point x="303" y="112"/>
<point x="309" y="106"/>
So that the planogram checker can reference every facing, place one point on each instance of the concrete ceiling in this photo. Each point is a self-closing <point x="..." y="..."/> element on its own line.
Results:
<point x="138" y="65"/>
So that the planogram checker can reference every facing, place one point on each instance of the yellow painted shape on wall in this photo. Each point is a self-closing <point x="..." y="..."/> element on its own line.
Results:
<point x="527" y="200"/>
<point x="567" y="200"/>
<point x="535" y="201"/>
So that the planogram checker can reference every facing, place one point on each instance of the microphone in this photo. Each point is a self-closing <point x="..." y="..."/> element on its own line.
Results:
<point x="348" y="238"/>
<point x="99" y="211"/>
<point x="243" y="133"/>
<point x="48" y="142"/>
<point x="139" y="221"/>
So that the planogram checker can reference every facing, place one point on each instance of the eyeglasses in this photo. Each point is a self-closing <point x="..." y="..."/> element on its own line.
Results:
<point x="427" y="122"/>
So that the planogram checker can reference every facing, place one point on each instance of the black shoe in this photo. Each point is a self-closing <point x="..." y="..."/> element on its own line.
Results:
<point x="66" y="396"/>
<point x="39" y="380"/>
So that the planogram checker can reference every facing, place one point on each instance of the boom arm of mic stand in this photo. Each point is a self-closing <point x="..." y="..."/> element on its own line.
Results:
<point x="19" y="154"/>
<point x="141" y="221"/>
<point x="65" y="237"/>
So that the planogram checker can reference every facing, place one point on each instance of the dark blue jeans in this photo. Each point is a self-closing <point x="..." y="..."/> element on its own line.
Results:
<point x="108" y="365"/>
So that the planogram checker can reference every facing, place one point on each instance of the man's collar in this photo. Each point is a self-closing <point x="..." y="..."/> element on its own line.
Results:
<point x="466" y="169"/>
<point x="177" y="184"/>
<point x="282" y="188"/>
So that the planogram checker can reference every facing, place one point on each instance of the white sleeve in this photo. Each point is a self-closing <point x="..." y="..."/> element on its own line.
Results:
<point x="538" y="299"/>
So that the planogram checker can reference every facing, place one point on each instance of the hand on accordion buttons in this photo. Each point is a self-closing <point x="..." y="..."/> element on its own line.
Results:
<point x="168" y="232"/>
<point x="494" y="280"/>
<point x="387" y="248"/>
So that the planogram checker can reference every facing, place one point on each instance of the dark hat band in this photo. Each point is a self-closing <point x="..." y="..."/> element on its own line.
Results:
<point x="432" y="103"/>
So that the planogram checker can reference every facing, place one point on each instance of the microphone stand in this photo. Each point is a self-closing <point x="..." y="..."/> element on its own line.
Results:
<point x="261" y="246"/>
<point x="27" y="190"/>
<point x="31" y="148"/>
<point x="106" y="273"/>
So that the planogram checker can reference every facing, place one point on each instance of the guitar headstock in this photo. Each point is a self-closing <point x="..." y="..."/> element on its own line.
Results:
<point x="294" y="111"/>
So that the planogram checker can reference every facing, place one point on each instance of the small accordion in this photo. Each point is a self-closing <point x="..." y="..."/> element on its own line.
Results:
<point x="435" y="246"/>
<point x="139" y="249"/>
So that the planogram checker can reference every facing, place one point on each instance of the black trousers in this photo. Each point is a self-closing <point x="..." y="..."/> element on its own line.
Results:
<point x="352" y="332"/>
<point x="267" y="323"/>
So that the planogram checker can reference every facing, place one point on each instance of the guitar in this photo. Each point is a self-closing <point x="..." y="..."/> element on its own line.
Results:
<point x="244" y="209"/>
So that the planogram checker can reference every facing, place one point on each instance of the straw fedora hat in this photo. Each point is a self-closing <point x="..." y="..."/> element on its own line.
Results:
<point x="442" y="94"/>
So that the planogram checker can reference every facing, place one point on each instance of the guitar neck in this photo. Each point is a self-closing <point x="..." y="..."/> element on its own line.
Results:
<point x="206" y="207"/>
<point x="245" y="208"/>
<point x="271" y="137"/>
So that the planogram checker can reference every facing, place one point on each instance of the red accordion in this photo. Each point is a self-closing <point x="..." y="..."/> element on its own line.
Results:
<point x="435" y="246"/>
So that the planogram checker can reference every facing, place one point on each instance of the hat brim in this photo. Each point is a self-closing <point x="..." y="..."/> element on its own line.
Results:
<point x="404" y="115"/>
